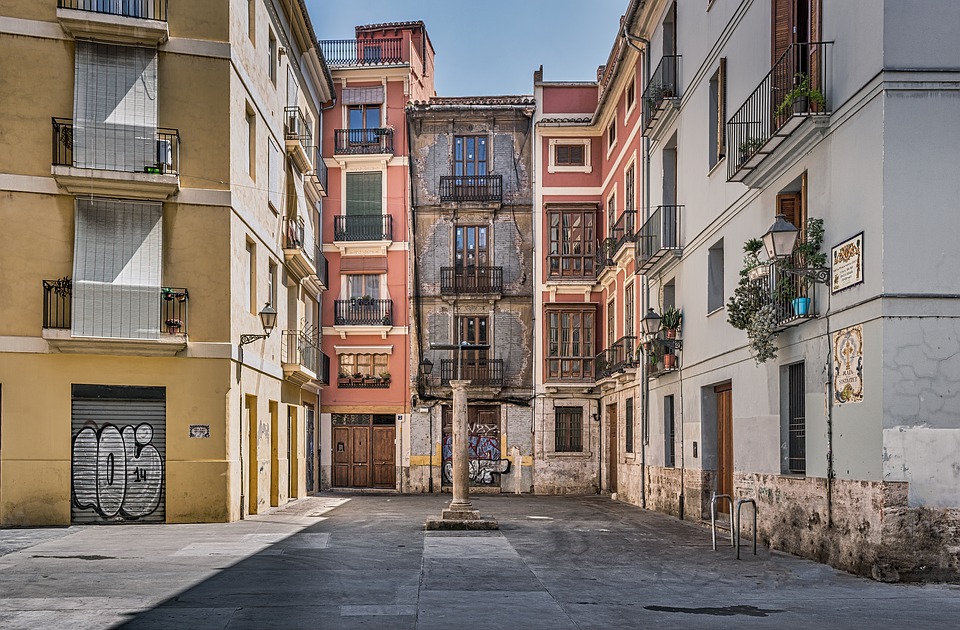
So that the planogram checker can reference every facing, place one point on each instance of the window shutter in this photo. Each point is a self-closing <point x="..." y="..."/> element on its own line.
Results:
<point x="722" y="108"/>
<point x="563" y="154"/>
<point x="788" y="204"/>
<point x="364" y="194"/>
<point x="782" y="27"/>
<point x="363" y="96"/>
<point x="274" y="175"/>
<point x="576" y="154"/>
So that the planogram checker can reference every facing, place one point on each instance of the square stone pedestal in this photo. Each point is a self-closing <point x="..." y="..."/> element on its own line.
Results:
<point x="461" y="520"/>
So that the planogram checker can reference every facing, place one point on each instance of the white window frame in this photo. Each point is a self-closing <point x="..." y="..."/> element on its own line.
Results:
<point x="606" y="135"/>
<point x="552" y="166"/>
<point x="630" y="106"/>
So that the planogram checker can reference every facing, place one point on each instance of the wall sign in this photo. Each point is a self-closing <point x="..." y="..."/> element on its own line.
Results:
<point x="199" y="430"/>
<point x="847" y="267"/>
<point x="848" y="365"/>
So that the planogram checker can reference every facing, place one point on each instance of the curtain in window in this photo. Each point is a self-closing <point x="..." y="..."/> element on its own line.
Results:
<point x="116" y="269"/>
<point x="115" y="107"/>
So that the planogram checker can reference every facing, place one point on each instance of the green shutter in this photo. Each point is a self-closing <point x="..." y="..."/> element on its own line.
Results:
<point x="364" y="194"/>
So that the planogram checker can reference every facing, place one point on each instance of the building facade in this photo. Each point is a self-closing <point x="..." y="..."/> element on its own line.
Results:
<point x="181" y="196"/>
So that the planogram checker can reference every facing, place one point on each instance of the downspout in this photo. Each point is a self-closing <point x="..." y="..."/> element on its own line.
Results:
<point x="632" y="40"/>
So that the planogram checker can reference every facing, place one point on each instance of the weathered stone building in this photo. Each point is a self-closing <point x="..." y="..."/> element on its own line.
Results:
<point x="471" y="281"/>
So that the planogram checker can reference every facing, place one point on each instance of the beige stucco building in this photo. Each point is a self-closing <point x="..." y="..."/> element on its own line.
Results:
<point x="158" y="186"/>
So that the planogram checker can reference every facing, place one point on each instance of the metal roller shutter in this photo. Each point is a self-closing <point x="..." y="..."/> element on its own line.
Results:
<point x="118" y="460"/>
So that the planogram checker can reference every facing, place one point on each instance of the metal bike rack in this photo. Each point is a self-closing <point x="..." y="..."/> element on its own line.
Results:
<point x="740" y="504"/>
<point x="713" y="518"/>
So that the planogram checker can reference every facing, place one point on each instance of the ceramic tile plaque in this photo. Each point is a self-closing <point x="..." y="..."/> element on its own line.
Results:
<point x="848" y="365"/>
<point x="847" y="264"/>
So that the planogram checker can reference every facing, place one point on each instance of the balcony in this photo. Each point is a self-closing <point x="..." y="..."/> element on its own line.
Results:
<point x="298" y="136"/>
<point x="363" y="141"/>
<point x="172" y="325"/>
<point x="621" y="233"/>
<point x="363" y="311"/>
<point x="301" y="358"/>
<point x="618" y="358"/>
<point x="782" y="117"/>
<point x="345" y="53"/>
<point x="784" y="290"/>
<point x="138" y="168"/>
<point x="476" y="188"/>
<point x="662" y="96"/>
<point x="357" y="381"/>
<point x="129" y="22"/>
<point x="480" y="372"/>
<point x="298" y="255"/>
<point x="471" y="280"/>
<point x="659" y="236"/>
<point x="362" y="227"/>
<point x="319" y="175"/>
<point x="662" y="354"/>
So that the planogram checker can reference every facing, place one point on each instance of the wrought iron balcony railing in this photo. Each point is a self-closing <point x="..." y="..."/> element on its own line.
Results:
<point x="296" y="127"/>
<point x="320" y="261"/>
<point x="299" y="347"/>
<point x="58" y="306"/>
<point x="319" y="170"/>
<point x="143" y="9"/>
<point x="793" y="297"/>
<point x="293" y="237"/>
<point x="481" y="372"/>
<point x="622" y="232"/>
<point x="162" y="157"/>
<point x="363" y="141"/>
<point x="367" y="382"/>
<point x="339" y="53"/>
<point x="660" y="235"/>
<point x="471" y="279"/>
<point x="471" y="188"/>
<point x="663" y="85"/>
<point x="662" y="354"/>
<point x="363" y="311"/>
<point x="795" y="88"/>
<point x="363" y="227"/>
<point x="618" y="357"/>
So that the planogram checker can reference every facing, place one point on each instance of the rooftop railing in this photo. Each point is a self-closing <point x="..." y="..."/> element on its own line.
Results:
<point x="340" y="53"/>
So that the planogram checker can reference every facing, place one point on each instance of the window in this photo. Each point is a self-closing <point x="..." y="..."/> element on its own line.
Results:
<point x="611" y="213"/>
<point x="364" y="124"/>
<point x="612" y="134"/>
<point x="631" y="95"/>
<point x="471" y="247"/>
<point x="669" y="433"/>
<point x="274" y="175"/>
<point x="796" y="427"/>
<point x="629" y="425"/>
<point x="718" y="105"/>
<point x="611" y="322"/>
<point x="570" y="344"/>
<point x="251" y="292"/>
<point x="272" y="283"/>
<point x="569" y="155"/>
<point x="272" y="50"/>
<point x="569" y="433"/>
<point x="469" y="155"/>
<point x="628" y="311"/>
<point x="364" y="364"/>
<point x="251" y="143"/>
<point x="629" y="188"/>
<point x="572" y="243"/>
<point x="365" y="193"/>
<point x="670" y="294"/>
<point x="473" y="329"/>
<point x="715" y="277"/>
<point x="362" y="285"/>
<point x="252" y="21"/>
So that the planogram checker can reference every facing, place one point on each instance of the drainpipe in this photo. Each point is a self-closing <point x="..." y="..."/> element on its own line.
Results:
<point x="632" y="41"/>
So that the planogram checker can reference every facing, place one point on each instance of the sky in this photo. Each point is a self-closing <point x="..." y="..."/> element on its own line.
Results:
<point x="491" y="47"/>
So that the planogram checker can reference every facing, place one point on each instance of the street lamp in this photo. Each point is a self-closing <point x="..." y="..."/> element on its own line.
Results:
<point x="781" y="238"/>
<point x="650" y="323"/>
<point x="268" y="319"/>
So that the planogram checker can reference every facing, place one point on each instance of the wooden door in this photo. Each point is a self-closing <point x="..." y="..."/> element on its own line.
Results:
<point x="614" y="447"/>
<point x="360" y="460"/>
<point x="384" y="459"/>
<point x="724" y="395"/>
<point x="342" y="449"/>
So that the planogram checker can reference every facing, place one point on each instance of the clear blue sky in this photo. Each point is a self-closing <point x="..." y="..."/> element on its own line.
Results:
<point x="493" y="46"/>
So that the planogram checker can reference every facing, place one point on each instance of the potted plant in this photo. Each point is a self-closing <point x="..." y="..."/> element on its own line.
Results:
<point x="386" y="320"/>
<point x="385" y="377"/>
<point x="808" y="255"/>
<point x="173" y="325"/>
<point x="670" y="321"/>
<point x="370" y="379"/>
<point x="750" y="309"/>
<point x="669" y="361"/>
<point x="343" y="378"/>
<point x="801" y="97"/>
<point x="755" y="268"/>
<point x="748" y="147"/>
<point x="356" y="378"/>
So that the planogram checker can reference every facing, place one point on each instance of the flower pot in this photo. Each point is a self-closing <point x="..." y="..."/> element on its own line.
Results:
<point x="173" y="330"/>
<point x="801" y="306"/>
<point x="669" y="361"/>
<point x="647" y="345"/>
<point x="671" y="333"/>
<point x="758" y="273"/>
<point x="801" y="105"/>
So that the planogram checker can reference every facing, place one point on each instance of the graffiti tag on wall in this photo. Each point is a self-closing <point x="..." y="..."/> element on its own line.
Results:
<point x="484" y="458"/>
<point x="116" y="471"/>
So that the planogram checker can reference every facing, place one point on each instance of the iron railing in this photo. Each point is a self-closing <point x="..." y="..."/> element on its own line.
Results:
<point x="58" y="307"/>
<point x="299" y="347"/>
<point x="620" y="356"/>
<point x="296" y="126"/>
<point x="622" y="232"/>
<point x="319" y="169"/>
<point x="471" y="279"/>
<point x="481" y="372"/>
<point x="323" y="376"/>
<point x="663" y="84"/>
<point x="369" y="382"/>
<point x="144" y="9"/>
<point x="339" y="53"/>
<point x="363" y="141"/>
<point x="293" y="234"/>
<point x="658" y="236"/>
<point x="363" y="227"/>
<point x="793" y="297"/>
<point x="797" y="429"/>
<point x="363" y="312"/>
<point x="766" y="112"/>
<point x="662" y="354"/>
<point x="320" y="263"/>
<point x="471" y="188"/>
<point x="167" y="149"/>
<point x="173" y="309"/>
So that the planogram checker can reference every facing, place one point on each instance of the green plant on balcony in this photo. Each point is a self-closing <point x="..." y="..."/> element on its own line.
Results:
<point x="756" y="269"/>
<point x="801" y="97"/>
<point x="748" y="300"/>
<point x="670" y="321"/>
<point x="748" y="147"/>
<point x="173" y="325"/>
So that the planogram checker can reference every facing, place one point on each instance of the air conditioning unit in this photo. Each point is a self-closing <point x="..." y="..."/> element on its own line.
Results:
<point x="294" y="128"/>
<point x="164" y="155"/>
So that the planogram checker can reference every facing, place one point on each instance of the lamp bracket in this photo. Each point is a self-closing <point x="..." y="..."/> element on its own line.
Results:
<point x="819" y="275"/>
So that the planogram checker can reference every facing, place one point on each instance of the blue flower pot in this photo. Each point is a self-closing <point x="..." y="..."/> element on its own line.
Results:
<point x="801" y="306"/>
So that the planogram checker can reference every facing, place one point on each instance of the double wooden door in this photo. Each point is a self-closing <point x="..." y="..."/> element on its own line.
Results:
<point x="364" y="456"/>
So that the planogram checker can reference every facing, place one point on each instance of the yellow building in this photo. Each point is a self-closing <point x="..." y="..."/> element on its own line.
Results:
<point x="159" y="184"/>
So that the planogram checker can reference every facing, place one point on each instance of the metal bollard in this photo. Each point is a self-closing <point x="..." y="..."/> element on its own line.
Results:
<point x="713" y="518"/>
<point x="740" y="503"/>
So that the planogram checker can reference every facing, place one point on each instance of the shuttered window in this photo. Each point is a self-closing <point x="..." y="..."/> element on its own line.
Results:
<point x="363" y="96"/>
<point x="365" y="193"/>
<point x="115" y="107"/>
<point x="117" y="268"/>
<point x="569" y="155"/>
<point x="790" y="205"/>
<point x="569" y="430"/>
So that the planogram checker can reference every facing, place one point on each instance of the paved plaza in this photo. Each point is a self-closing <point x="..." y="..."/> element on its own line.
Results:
<point x="364" y="561"/>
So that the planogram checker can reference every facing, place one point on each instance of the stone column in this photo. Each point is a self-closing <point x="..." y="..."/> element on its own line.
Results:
<point x="461" y="449"/>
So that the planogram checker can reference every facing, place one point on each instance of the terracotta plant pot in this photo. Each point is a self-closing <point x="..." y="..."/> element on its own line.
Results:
<point x="669" y="361"/>
<point x="671" y="333"/>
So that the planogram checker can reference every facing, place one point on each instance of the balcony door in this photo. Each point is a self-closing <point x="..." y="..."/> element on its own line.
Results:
<point x="469" y="161"/>
<point x="471" y="258"/>
<point x="473" y="330"/>
<point x="364" y="121"/>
